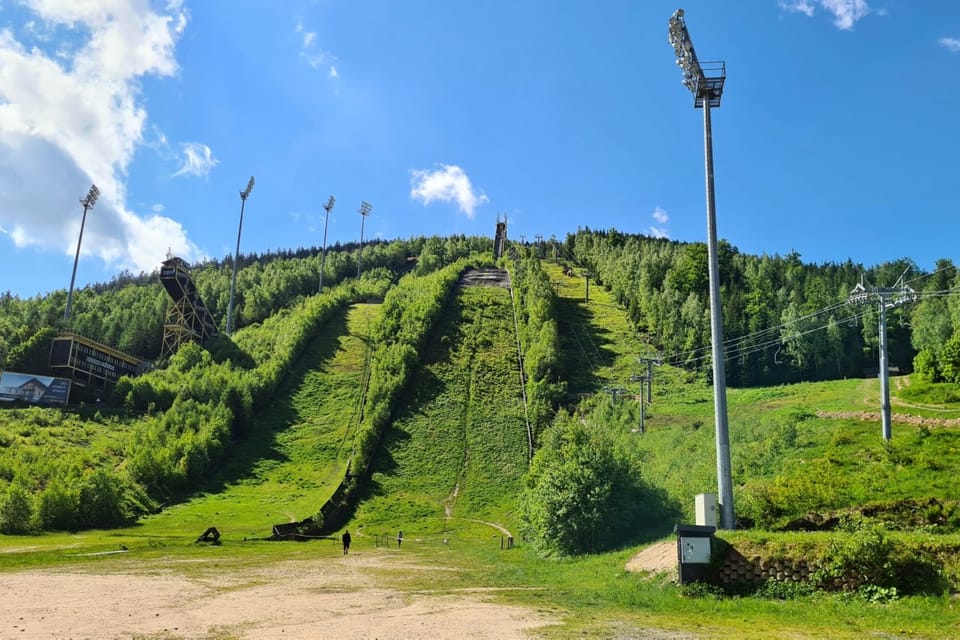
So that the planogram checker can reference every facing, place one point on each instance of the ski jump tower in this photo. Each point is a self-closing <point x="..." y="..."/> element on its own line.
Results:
<point x="500" y="240"/>
<point x="188" y="318"/>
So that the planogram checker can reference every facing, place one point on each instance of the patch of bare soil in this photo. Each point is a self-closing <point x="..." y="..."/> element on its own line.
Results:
<point x="656" y="559"/>
<point x="326" y="598"/>
<point x="898" y="418"/>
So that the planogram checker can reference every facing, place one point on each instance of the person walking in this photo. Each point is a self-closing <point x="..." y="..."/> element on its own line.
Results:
<point x="399" y="538"/>
<point x="346" y="542"/>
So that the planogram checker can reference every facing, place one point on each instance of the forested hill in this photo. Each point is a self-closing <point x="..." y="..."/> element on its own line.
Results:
<point x="157" y="437"/>
<point x="783" y="320"/>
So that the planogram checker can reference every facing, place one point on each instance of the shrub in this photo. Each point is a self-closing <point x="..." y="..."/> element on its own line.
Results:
<point x="58" y="507"/>
<point x="581" y="494"/>
<point x="16" y="511"/>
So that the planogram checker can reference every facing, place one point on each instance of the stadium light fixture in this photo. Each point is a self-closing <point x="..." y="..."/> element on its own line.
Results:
<point x="323" y="255"/>
<point x="236" y="256"/>
<point x="364" y="210"/>
<point x="705" y="81"/>
<point x="88" y="201"/>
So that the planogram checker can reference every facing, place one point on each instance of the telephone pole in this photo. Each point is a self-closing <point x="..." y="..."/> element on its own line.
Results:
<point x="886" y="298"/>
<point x="707" y="91"/>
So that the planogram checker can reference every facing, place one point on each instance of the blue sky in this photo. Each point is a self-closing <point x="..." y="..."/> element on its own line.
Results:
<point x="836" y="138"/>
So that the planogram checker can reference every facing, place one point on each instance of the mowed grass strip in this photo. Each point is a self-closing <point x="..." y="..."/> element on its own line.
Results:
<point x="459" y="448"/>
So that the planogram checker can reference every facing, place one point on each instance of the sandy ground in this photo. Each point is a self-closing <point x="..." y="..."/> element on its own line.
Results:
<point x="319" y="599"/>
<point x="656" y="559"/>
<point x="322" y="598"/>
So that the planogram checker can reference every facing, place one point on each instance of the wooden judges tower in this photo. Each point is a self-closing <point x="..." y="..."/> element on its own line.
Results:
<point x="188" y="318"/>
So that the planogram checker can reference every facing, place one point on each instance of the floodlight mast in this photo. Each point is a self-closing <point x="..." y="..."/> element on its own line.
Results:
<point x="236" y="256"/>
<point x="88" y="201"/>
<point x="323" y="254"/>
<point x="364" y="210"/>
<point x="707" y="91"/>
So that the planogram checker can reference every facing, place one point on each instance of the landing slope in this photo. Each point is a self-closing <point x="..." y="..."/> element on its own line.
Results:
<point x="458" y="449"/>
<point x="301" y="446"/>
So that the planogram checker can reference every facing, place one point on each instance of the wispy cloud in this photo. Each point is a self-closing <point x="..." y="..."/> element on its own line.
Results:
<point x="315" y="56"/>
<point x="446" y="183"/>
<point x="661" y="217"/>
<point x="72" y="115"/>
<point x="196" y="159"/>
<point x="845" y="13"/>
<point x="950" y="44"/>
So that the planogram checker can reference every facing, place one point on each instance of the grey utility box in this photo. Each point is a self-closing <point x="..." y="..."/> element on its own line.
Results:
<point x="694" y="551"/>
<point x="706" y="509"/>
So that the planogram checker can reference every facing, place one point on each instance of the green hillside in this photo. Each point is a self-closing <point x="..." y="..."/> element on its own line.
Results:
<point x="301" y="448"/>
<point x="458" y="447"/>
<point x="409" y="415"/>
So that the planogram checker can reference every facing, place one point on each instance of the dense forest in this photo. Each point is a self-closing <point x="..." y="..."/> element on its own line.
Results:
<point x="783" y="320"/>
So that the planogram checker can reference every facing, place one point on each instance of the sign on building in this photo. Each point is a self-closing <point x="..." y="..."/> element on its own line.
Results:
<point x="26" y="387"/>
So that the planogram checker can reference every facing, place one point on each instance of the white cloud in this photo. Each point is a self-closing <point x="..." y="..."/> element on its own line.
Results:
<point x="70" y="115"/>
<point x="314" y="55"/>
<point x="950" y="44"/>
<point x="799" y="6"/>
<point x="197" y="159"/>
<point x="845" y="12"/>
<point x="661" y="217"/>
<point x="447" y="183"/>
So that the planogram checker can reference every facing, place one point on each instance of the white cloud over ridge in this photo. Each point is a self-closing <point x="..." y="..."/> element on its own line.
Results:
<point x="846" y="13"/>
<point x="446" y="183"/>
<point x="661" y="217"/>
<point x="73" y="117"/>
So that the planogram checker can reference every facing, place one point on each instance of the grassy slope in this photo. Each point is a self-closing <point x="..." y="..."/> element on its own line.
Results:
<point x="797" y="432"/>
<point x="457" y="451"/>
<point x="302" y="444"/>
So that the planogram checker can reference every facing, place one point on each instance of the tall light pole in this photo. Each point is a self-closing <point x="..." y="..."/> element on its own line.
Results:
<point x="323" y="255"/>
<point x="236" y="256"/>
<point x="364" y="210"/>
<point x="707" y="91"/>
<point x="87" y="202"/>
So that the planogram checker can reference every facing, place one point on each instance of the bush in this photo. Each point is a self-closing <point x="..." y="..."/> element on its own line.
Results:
<point x="867" y="561"/>
<point x="16" y="511"/>
<point x="58" y="508"/>
<point x="581" y="494"/>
